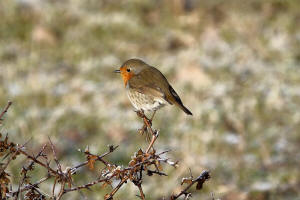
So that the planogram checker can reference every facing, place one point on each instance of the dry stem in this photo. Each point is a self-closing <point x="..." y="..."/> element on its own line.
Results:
<point x="141" y="163"/>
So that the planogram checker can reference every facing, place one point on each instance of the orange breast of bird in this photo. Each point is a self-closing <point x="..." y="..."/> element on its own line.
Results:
<point x="126" y="75"/>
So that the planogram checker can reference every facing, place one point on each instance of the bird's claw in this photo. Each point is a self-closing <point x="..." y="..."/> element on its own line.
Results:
<point x="147" y="122"/>
<point x="143" y="130"/>
<point x="142" y="115"/>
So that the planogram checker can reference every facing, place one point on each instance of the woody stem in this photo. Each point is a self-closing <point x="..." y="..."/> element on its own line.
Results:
<point x="148" y="124"/>
<point x="153" y="115"/>
<point x="154" y="135"/>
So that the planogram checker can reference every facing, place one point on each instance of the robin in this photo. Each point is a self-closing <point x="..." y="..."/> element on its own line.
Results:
<point x="147" y="88"/>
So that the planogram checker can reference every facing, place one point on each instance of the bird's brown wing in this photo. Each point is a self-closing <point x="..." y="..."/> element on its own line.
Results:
<point x="152" y="82"/>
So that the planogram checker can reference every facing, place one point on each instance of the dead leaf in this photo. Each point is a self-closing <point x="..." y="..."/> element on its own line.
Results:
<point x="186" y="180"/>
<point x="91" y="161"/>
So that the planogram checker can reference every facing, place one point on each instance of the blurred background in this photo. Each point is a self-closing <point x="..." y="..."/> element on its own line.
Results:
<point x="235" y="65"/>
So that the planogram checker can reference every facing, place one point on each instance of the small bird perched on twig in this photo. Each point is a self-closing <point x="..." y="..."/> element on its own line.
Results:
<point x="147" y="88"/>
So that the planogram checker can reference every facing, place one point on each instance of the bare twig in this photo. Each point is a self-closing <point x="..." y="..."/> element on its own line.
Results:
<point x="199" y="180"/>
<point x="85" y="186"/>
<point x="5" y="109"/>
<point x="142" y="163"/>
<point x="54" y="172"/>
<point x="55" y="157"/>
<point x="148" y="124"/>
<point x="15" y="152"/>
<point x="30" y="186"/>
<point x="29" y="167"/>
<point x="62" y="189"/>
<point x="113" y="192"/>
<point x="111" y="149"/>
<point x="154" y="137"/>
<point x="141" y="191"/>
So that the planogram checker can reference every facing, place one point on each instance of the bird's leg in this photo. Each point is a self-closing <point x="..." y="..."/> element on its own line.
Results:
<point x="148" y="138"/>
<point x="144" y="130"/>
<point x="147" y="124"/>
<point x="153" y="116"/>
<point x="147" y="120"/>
<point x="140" y="113"/>
<point x="150" y="123"/>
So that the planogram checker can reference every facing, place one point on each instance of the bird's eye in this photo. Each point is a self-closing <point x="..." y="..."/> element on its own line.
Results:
<point x="128" y="69"/>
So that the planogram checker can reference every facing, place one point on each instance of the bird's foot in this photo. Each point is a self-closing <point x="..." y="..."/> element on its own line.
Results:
<point x="147" y="121"/>
<point x="147" y="124"/>
<point x="143" y="130"/>
<point x="140" y="113"/>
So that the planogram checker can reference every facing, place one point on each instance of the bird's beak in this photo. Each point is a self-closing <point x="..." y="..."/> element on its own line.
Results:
<point x="117" y="71"/>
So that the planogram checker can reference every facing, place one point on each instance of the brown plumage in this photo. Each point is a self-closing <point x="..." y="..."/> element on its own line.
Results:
<point x="147" y="87"/>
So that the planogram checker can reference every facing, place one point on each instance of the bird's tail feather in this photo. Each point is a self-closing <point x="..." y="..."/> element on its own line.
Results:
<point x="185" y="109"/>
<point x="178" y="101"/>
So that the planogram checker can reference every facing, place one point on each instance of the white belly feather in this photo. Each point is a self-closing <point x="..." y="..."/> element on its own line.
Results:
<point x="145" y="102"/>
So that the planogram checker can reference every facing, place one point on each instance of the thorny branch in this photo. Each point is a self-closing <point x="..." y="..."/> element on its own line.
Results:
<point x="5" y="109"/>
<point x="148" y="124"/>
<point x="147" y="162"/>
<point x="28" y="168"/>
<point x="190" y="181"/>
<point x="95" y="158"/>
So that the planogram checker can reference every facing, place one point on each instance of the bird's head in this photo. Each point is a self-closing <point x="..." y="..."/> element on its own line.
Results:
<point x="131" y="68"/>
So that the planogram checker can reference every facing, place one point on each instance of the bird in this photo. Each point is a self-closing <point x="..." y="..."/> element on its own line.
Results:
<point x="147" y="88"/>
